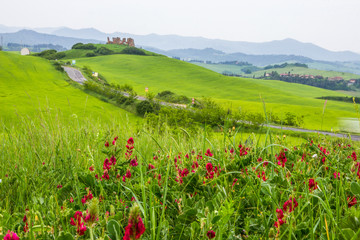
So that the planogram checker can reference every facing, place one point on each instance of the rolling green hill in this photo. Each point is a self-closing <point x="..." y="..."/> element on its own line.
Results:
<point x="162" y="73"/>
<point x="30" y="86"/>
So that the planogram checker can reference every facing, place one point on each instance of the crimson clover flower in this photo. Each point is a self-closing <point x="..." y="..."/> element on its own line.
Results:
<point x="352" y="202"/>
<point x="135" y="227"/>
<point x="281" y="158"/>
<point x="210" y="234"/>
<point x="208" y="153"/>
<point x="11" y="236"/>
<point x="312" y="184"/>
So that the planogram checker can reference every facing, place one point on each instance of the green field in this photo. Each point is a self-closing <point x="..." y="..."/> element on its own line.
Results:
<point x="220" y="68"/>
<point x="30" y="86"/>
<point x="305" y="71"/>
<point x="162" y="73"/>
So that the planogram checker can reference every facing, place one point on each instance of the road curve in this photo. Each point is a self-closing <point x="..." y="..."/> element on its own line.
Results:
<point x="75" y="75"/>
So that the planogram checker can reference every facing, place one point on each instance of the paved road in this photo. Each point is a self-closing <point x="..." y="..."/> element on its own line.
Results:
<point x="75" y="75"/>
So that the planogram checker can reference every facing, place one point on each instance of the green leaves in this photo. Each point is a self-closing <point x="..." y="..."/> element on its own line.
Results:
<point x="355" y="188"/>
<point x="113" y="227"/>
<point x="65" y="236"/>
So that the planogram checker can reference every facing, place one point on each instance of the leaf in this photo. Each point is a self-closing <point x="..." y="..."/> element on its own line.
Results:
<point x="113" y="227"/>
<point x="215" y="219"/>
<point x="355" y="188"/>
<point x="349" y="233"/>
<point x="65" y="236"/>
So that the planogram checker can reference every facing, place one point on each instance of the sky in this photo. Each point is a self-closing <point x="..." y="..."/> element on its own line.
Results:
<point x="332" y="24"/>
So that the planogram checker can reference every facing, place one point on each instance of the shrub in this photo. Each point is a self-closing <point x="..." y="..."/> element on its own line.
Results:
<point x="88" y="46"/>
<point x="77" y="46"/>
<point x="144" y="107"/>
<point x="104" y="51"/>
<point x="133" y="51"/>
<point x="90" y="54"/>
<point x="0" y="48"/>
<point x="169" y="96"/>
<point x="60" y="55"/>
<point x="58" y="66"/>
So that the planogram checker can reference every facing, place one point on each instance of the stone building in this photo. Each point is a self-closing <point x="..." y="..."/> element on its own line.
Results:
<point x="125" y="41"/>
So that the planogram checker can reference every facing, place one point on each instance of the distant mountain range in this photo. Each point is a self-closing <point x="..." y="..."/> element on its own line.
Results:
<point x="210" y="54"/>
<point x="170" y="42"/>
<point x="31" y="37"/>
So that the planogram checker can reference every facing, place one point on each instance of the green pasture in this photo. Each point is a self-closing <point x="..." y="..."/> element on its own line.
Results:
<point x="220" y="68"/>
<point x="162" y="73"/>
<point x="30" y="86"/>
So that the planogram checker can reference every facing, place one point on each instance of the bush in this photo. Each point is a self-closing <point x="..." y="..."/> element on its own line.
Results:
<point x="90" y="54"/>
<point x="133" y="51"/>
<point x="0" y="48"/>
<point x="88" y="46"/>
<point x="104" y="51"/>
<point x="77" y="46"/>
<point x="144" y="107"/>
<point x="58" y="66"/>
<point x="169" y="96"/>
<point x="60" y="55"/>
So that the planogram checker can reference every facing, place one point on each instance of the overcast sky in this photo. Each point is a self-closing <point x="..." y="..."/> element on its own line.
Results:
<point x="332" y="24"/>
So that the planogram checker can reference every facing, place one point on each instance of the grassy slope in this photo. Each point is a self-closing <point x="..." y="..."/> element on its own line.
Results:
<point x="220" y="68"/>
<point x="30" y="86"/>
<point x="161" y="73"/>
<point x="306" y="71"/>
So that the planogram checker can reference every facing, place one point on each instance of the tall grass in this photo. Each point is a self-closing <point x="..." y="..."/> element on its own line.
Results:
<point x="39" y="154"/>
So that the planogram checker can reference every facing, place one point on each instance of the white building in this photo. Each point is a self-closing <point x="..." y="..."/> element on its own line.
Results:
<point x="25" y="51"/>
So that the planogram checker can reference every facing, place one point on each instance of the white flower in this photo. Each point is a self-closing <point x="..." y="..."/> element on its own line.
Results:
<point x="0" y="180"/>
<point x="314" y="156"/>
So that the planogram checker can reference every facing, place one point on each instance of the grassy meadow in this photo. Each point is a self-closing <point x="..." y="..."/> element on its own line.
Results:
<point x="162" y="73"/>
<point x="30" y="86"/>
<point x="73" y="166"/>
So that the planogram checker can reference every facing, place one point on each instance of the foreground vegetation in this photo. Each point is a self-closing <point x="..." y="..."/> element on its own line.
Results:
<point x="80" y="180"/>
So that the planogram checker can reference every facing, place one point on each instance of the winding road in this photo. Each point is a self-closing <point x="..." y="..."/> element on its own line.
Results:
<point x="77" y="76"/>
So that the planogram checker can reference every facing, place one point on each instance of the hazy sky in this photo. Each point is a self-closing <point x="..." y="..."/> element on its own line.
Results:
<point x="333" y="24"/>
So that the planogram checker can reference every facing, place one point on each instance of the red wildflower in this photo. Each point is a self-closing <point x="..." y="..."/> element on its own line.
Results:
<point x="91" y="168"/>
<point x="114" y="142"/>
<point x="208" y="153"/>
<point x="210" y="234"/>
<point x="336" y="174"/>
<point x="128" y="173"/>
<point x="107" y="144"/>
<point x="134" y="162"/>
<point x="135" y="227"/>
<point x="280" y="213"/>
<point x="290" y="204"/>
<point x="281" y="159"/>
<point x="234" y="181"/>
<point x="353" y="156"/>
<point x="352" y="202"/>
<point x="209" y="167"/>
<point x="71" y="200"/>
<point x="113" y="160"/>
<point x="279" y="222"/>
<point x="151" y="166"/>
<point x="11" y="236"/>
<point x="184" y="172"/>
<point x="243" y="150"/>
<point x="312" y="184"/>
<point x="59" y="186"/>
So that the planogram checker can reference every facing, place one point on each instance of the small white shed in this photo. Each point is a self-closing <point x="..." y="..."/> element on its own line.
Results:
<point x="25" y="51"/>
